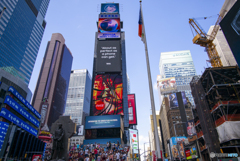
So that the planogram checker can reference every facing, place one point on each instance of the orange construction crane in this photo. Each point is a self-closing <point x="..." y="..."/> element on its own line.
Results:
<point x="206" y="41"/>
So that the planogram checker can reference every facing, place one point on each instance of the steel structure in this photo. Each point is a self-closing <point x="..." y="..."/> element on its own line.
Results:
<point x="217" y="98"/>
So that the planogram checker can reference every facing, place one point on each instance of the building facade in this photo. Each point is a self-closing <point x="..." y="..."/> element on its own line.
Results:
<point x="53" y="80"/>
<point x="223" y="48"/>
<point x="178" y="64"/>
<point x="21" y="30"/>
<point x="78" y="99"/>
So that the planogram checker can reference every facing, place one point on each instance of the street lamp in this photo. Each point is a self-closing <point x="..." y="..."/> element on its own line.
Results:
<point x="144" y="150"/>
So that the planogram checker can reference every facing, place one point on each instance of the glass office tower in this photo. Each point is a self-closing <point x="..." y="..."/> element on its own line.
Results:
<point x="178" y="64"/>
<point x="21" y="30"/>
<point x="78" y="99"/>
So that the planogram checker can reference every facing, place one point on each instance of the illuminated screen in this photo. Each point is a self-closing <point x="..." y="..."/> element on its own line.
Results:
<point x="109" y="8"/>
<point x="109" y="28"/>
<point x="132" y="109"/>
<point x="107" y="95"/>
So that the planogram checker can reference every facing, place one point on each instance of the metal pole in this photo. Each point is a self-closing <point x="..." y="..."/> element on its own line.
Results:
<point x="156" y="138"/>
<point x="144" y="153"/>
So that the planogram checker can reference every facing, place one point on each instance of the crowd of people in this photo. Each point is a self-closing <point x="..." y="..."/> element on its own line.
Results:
<point x="97" y="152"/>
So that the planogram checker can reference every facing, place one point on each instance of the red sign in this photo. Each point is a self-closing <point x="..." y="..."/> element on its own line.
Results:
<point x="99" y="105"/>
<point x="134" y="135"/>
<point x="132" y="113"/>
<point x="36" y="157"/>
<point x="154" y="156"/>
<point x="187" y="152"/>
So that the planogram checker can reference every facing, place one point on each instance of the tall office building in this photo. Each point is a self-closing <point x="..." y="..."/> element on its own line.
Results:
<point x="178" y="64"/>
<point x="50" y="94"/>
<point x="78" y="99"/>
<point x="21" y="30"/>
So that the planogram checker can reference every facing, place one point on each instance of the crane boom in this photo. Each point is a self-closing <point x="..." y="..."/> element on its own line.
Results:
<point x="206" y="41"/>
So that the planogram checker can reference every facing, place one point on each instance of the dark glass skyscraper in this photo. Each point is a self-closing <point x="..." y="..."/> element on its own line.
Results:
<point x="21" y="30"/>
<point x="53" y="81"/>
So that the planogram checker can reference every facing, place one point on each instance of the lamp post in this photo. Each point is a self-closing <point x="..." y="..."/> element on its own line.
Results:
<point x="144" y="150"/>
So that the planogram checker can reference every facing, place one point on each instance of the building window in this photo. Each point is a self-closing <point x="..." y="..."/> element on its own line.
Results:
<point x="2" y="93"/>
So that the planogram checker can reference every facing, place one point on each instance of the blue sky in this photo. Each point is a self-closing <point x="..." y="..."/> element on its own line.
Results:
<point x="167" y="29"/>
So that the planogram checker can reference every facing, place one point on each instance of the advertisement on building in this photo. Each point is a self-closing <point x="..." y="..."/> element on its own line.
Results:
<point x="176" y="143"/>
<point x="110" y="8"/>
<point x="44" y="109"/>
<point x="134" y="140"/>
<point x="173" y="102"/>
<point x="79" y="130"/>
<point x="108" y="56"/>
<point x="99" y="122"/>
<point x="109" y="28"/>
<point x="191" y="152"/>
<point x="190" y="128"/>
<point x="167" y="85"/>
<point x="132" y="113"/>
<point x="3" y="128"/>
<point x="107" y="95"/>
<point x="230" y="26"/>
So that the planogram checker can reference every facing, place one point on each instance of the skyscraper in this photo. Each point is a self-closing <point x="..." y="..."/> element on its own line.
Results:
<point x="78" y="99"/>
<point x="21" y="30"/>
<point x="178" y="64"/>
<point x="50" y="94"/>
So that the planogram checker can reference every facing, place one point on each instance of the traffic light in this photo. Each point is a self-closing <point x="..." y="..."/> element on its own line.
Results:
<point x="166" y="155"/>
<point x="135" y="155"/>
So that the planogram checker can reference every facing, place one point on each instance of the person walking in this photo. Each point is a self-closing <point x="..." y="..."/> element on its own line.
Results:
<point x="96" y="153"/>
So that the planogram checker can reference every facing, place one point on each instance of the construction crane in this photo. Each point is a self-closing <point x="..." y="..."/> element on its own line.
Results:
<point x="206" y="41"/>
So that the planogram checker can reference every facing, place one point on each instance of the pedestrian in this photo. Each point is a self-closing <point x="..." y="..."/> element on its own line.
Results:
<point x="86" y="152"/>
<point x="86" y="158"/>
<point x="95" y="153"/>
<point x="118" y="155"/>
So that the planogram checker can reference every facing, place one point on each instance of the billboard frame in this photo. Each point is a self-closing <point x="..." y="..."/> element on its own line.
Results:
<point x="135" y="108"/>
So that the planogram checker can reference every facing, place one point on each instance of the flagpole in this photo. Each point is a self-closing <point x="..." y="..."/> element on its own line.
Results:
<point x="2" y="11"/>
<point x="156" y="136"/>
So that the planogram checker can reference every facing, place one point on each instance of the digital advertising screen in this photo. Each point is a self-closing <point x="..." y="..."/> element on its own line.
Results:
<point x="177" y="141"/>
<point x="173" y="102"/>
<point x="190" y="128"/>
<point x="167" y="85"/>
<point x="230" y="26"/>
<point x="132" y="113"/>
<point x="109" y="28"/>
<point x="108" y="56"/>
<point x="107" y="95"/>
<point x="134" y="140"/>
<point x="98" y="122"/>
<point x="191" y="152"/>
<point x="110" y="8"/>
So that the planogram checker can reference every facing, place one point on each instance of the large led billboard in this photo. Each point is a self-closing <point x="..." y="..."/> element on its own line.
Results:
<point x="132" y="113"/>
<point x="79" y="130"/>
<point x="108" y="56"/>
<point x="110" y="8"/>
<point x="109" y="28"/>
<point x="107" y="95"/>
<point x="99" y="122"/>
<point x="134" y="140"/>
<point x="230" y="26"/>
<point x="173" y="102"/>
<point x="167" y="85"/>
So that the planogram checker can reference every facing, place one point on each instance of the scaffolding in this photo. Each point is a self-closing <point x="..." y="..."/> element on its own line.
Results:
<point x="217" y="113"/>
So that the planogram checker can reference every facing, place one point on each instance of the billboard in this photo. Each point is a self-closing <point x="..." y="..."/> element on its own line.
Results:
<point x="109" y="28"/>
<point x="191" y="152"/>
<point x="3" y="128"/>
<point x="79" y="130"/>
<point x="134" y="140"/>
<point x="167" y="85"/>
<point x="107" y="95"/>
<point x="108" y="56"/>
<point x="176" y="143"/>
<point x="173" y="102"/>
<point x="190" y="128"/>
<point x="132" y="113"/>
<point x="230" y="26"/>
<point x="99" y="122"/>
<point x="110" y="8"/>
